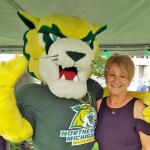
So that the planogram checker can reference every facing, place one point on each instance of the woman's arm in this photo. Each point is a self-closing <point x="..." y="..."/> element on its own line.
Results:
<point x="138" y="114"/>
<point x="145" y="141"/>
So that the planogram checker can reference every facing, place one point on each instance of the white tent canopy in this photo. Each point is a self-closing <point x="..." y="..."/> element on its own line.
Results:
<point x="128" y="21"/>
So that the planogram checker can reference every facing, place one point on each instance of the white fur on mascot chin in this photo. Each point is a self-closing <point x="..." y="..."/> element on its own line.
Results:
<point x="59" y="56"/>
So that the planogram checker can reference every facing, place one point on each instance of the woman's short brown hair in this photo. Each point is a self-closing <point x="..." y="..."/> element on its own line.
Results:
<point x="124" y="62"/>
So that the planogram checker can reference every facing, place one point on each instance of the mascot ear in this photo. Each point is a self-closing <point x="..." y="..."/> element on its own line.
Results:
<point x="99" y="29"/>
<point x="28" y="19"/>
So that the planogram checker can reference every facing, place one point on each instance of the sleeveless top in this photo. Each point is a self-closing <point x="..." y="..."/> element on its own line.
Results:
<point x="117" y="129"/>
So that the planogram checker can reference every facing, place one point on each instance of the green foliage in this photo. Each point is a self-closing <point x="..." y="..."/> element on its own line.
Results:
<point x="95" y="147"/>
<point x="17" y="146"/>
<point x="98" y="66"/>
<point x="14" y="146"/>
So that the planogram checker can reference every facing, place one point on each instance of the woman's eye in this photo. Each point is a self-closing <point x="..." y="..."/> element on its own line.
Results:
<point x="112" y="75"/>
<point x="54" y="37"/>
<point x="122" y="76"/>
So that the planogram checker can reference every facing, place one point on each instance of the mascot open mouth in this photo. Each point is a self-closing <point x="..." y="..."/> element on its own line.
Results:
<point x="68" y="73"/>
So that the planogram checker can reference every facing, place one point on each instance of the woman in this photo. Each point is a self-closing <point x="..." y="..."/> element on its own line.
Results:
<point x="120" y="124"/>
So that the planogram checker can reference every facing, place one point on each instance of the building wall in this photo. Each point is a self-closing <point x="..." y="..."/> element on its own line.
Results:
<point x="142" y="67"/>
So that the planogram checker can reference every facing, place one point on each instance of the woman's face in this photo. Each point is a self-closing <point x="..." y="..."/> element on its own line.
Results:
<point x="117" y="80"/>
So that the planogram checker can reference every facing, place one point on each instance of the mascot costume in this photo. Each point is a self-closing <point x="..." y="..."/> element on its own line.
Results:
<point x="58" y="114"/>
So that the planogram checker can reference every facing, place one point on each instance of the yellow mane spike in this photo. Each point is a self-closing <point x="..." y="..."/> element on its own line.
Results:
<point x="30" y="17"/>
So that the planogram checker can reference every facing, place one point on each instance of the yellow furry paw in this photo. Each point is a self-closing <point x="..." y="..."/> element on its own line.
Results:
<point x="11" y="71"/>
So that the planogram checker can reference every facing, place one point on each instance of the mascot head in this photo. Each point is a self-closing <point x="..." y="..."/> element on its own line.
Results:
<point x="60" y="50"/>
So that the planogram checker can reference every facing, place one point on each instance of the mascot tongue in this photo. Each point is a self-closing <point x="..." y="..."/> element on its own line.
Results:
<point x="69" y="74"/>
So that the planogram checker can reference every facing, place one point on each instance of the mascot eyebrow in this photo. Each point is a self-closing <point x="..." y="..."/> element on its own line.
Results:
<point x="90" y="38"/>
<point x="51" y="34"/>
<point x="53" y="29"/>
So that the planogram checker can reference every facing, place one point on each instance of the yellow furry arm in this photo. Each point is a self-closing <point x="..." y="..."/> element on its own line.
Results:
<point x="145" y="97"/>
<point x="146" y="111"/>
<point x="13" y="126"/>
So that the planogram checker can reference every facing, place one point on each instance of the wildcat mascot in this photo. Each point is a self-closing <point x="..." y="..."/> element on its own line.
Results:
<point x="60" y="113"/>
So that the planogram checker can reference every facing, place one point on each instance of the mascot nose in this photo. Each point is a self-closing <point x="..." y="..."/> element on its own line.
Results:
<point x="75" y="55"/>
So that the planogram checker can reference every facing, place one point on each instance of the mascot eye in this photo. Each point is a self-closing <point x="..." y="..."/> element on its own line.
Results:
<point x="54" y="37"/>
<point x="41" y="42"/>
<point x="90" y="43"/>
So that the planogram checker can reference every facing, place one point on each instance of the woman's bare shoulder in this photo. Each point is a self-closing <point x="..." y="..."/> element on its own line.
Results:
<point x="138" y="109"/>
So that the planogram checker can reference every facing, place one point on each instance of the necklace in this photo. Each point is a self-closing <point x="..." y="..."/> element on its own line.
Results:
<point x="86" y="99"/>
<point x="112" y="109"/>
<point x="113" y="112"/>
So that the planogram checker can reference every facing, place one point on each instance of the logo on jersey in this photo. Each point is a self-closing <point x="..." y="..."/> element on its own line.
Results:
<point x="82" y="126"/>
